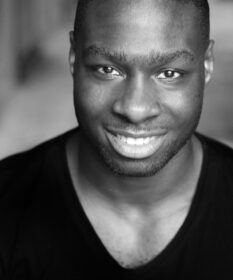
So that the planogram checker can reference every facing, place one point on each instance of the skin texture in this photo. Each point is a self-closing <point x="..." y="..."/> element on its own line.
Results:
<point x="139" y="66"/>
<point x="201" y="5"/>
<point x="137" y="95"/>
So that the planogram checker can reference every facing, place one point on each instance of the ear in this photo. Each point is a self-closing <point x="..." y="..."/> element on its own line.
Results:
<point x="209" y="62"/>
<point x="72" y="53"/>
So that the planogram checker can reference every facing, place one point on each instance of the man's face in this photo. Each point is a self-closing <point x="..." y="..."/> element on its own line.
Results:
<point x="139" y="77"/>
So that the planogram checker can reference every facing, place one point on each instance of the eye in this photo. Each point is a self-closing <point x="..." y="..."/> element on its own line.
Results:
<point x="108" y="71"/>
<point x="169" y="75"/>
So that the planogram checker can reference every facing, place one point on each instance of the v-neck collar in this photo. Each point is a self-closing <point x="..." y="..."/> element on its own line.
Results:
<point x="97" y="248"/>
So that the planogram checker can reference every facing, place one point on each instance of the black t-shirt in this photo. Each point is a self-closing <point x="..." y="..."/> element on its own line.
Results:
<point x="44" y="233"/>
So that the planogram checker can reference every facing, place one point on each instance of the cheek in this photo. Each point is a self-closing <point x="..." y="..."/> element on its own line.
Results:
<point x="184" y="106"/>
<point x="91" y="99"/>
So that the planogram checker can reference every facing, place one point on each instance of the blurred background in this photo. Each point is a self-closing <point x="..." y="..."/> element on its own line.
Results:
<point x="36" y="87"/>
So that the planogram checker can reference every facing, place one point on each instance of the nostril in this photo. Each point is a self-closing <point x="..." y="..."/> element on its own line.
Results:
<point x="136" y="112"/>
<point x="139" y="100"/>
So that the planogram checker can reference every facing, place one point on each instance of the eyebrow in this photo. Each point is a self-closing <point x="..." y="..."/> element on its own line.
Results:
<point x="151" y="58"/>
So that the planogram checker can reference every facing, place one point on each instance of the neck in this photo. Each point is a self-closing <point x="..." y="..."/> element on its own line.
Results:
<point x="92" y="178"/>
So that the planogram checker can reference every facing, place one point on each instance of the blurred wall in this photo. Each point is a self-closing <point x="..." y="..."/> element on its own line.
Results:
<point x="34" y="73"/>
<point x="7" y="54"/>
<point x="25" y="25"/>
<point x="217" y="115"/>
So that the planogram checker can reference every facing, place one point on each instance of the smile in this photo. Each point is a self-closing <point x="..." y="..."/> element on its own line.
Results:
<point x="135" y="141"/>
<point x="135" y="147"/>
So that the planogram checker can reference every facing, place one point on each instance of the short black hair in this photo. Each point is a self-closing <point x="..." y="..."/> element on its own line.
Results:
<point x="201" y="5"/>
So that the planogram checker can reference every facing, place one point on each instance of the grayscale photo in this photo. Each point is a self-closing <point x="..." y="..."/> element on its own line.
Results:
<point x="116" y="139"/>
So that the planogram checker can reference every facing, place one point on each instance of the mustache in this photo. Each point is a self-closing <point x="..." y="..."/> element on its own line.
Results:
<point x="146" y="127"/>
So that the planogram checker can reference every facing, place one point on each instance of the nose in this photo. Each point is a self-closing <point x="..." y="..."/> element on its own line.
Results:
<point x="138" y="102"/>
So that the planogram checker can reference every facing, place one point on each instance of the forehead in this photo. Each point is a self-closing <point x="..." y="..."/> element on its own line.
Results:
<point x="140" y="26"/>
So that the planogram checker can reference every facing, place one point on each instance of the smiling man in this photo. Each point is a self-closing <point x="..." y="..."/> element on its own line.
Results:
<point x="134" y="192"/>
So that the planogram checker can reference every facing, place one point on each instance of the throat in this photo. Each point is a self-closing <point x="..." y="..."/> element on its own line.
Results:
<point x="136" y="221"/>
<point x="90" y="178"/>
<point x="135" y="243"/>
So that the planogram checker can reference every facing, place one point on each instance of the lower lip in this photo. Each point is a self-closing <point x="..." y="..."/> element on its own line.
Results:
<point x="133" y="150"/>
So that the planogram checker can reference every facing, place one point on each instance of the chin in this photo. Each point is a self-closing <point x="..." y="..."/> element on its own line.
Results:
<point x="134" y="168"/>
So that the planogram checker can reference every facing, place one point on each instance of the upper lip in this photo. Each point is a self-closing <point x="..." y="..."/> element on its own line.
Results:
<point x="136" y="133"/>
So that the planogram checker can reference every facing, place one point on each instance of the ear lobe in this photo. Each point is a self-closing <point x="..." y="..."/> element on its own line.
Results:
<point x="72" y="53"/>
<point x="209" y="62"/>
<point x="71" y="60"/>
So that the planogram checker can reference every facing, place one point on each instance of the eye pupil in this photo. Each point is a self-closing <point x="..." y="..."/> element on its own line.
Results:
<point x="107" y="69"/>
<point x="169" y="73"/>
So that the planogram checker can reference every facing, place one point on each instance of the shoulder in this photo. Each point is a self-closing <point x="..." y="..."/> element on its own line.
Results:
<point x="26" y="163"/>
<point x="27" y="183"/>
<point x="216" y="148"/>
<point x="218" y="160"/>
<point x="21" y="171"/>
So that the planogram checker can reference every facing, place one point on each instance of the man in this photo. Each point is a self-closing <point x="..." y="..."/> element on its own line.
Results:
<point x="134" y="192"/>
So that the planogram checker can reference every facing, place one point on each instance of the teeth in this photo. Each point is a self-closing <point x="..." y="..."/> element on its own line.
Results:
<point x="133" y="147"/>
<point x="135" y="141"/>
<point x="139" y="141"/>
<point x="131" y="141"/>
